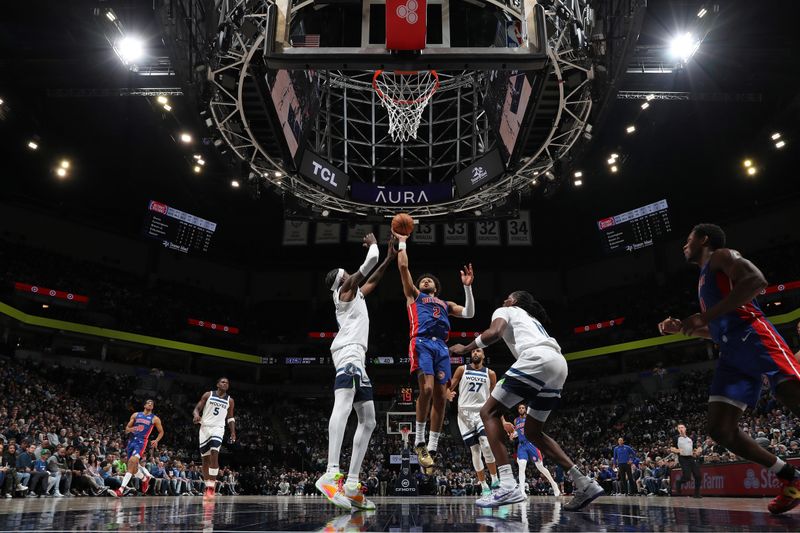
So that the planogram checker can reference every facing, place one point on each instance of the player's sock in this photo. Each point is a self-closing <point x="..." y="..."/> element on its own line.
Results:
<point x="126" y="479"/>
<point x="433" y="441"/>
<point x="506" y="477"/>
<point x="522" y="465"/>
<point x="484" y="485"/>
<point x="419" y="436"/>
<point x="211" y="484"/>
<point x="332" y="469"/>
<point x="350" y="487"/>
<point x="580" y="480"/>
<point x="785" y="470"/>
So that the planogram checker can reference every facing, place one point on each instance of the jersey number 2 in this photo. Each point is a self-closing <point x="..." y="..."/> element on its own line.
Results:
<point x="436" y="312"/>
<point x="474" y="387"/>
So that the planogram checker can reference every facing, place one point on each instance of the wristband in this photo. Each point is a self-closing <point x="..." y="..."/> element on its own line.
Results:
<point x="231" y="419"/>
<point x="401" y="246"/>
<point x="479" y="342"/>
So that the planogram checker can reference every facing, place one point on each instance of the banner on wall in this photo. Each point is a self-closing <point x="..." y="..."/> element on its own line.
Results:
<point x="356" y="234"/>
<point x="456" y="234"/>
<point x="328" y="233"/>
<point x="295" y="232"/>
<point x="424" y="234"/>
<point x="519" y="230"/>
<point x="487" y="233"/>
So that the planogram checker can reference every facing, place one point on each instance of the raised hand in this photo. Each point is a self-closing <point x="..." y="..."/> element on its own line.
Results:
<point x="392" y="252"/>
<point x="369" y="240"/>
<point x="467" y="275"/>
<point x="669" y="326"/>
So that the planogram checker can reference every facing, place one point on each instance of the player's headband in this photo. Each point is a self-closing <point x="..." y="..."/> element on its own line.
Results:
<point x="338" y="280"/>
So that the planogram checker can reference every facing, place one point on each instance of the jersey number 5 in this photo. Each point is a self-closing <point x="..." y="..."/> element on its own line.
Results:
<point x="216" y="411"/>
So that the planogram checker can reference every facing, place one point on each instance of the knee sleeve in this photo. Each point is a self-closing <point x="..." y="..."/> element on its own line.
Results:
<point x="486" y="449"/>
<point x="476" y="457"/>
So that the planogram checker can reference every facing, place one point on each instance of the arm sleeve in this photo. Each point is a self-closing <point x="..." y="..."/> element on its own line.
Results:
<point x="373" y="254"/>
<point x="469" y="303"/>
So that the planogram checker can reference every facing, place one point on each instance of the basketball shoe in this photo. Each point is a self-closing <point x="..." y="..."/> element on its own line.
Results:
<point x="355" y="493"/>
<point x="789" y="497"/>
<point x="145" y="484"/>
<point x="584" y="496"/>
<point x="502" y="496"/>
<point x="330" y="485"/>
<point x="423" y="456"/>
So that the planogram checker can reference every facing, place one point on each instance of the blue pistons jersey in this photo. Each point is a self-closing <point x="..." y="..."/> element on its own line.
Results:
<point x="427" y="317"/>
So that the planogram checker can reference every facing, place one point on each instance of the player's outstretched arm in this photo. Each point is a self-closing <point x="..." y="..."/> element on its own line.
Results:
<point x="375" y="278"/>
<point x="348" y="290"/>
<point x="196" y="416"/>
<point x="747" y="280"/>
<point x="468" y="309"/>
<point x="231" y="421"/>
<point x="490" y="336"/>
<point x="409" y="289"/>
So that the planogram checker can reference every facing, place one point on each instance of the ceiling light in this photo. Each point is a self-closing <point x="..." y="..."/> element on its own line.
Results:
<point x="614" y="156"/>
<point x="645" y="105"/>
<point x="167" y="107"/>
<point x="130" y="49"/>
<point x="161" y="99"/>
<point x="780" y="144"/>
<point x="325" y="212"/>
<point x="61" y="172"/>
<point x="630" y="129"/>
<point x="611" y="161"/>
<point x="775" y="136"/>
<point x="186" y="138"/>
<point x="614" y="168"/>
<point x="747" y="163"/>
<point x="278" y="173"/>
<point x="111" y="16"/>
<point x="65" y="163"/>
<point x="1" y="101"/>
<point x="650" y="97"/>
<point x="478" y="212"/>
<point x="702" y="13"/>
<point x="197" y="169"/>
<point x="534" y="182"/>
<point x="578" y="183"/>
<point x="201" y="162"/>
<point x="234" y="184"/>
<point x="578" y="174"/>
<point x="45" y="306"/>
<point x="752" y="171"/>
<point x="683" y="47"/>
<point x="32" y="145"/>
<point x="550" y="176"/>
<point x="197" y="156"/>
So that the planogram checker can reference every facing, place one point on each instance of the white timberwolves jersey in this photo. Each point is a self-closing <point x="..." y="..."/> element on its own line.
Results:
<point x="353" y="322"/>
<point x="473" y="391"/>
<point x="215" y="411"/>
<point x="524" y="332"/>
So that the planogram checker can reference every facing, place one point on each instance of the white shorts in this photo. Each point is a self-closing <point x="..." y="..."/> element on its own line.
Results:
<point x="351" y="353"/>
<point x="351" y="373"/>
<point x="471" y="426"/>
<point x="210" y="439"/>
<point x="536" y="378"/>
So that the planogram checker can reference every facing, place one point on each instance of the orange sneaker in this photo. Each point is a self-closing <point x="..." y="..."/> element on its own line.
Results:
<point x="209" y="493"/>
<point x="145" y="484"/>
<point x="789" y="497"/>
<point x="357" y="498"/>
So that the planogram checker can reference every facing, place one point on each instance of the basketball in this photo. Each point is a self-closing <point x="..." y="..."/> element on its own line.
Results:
<point x="402" y="224"/>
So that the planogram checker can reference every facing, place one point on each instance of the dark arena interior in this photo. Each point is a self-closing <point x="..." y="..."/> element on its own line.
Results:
<point x="212" y="320"/>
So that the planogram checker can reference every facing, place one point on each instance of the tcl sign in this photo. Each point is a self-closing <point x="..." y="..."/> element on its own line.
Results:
<point x="323" y="173"/>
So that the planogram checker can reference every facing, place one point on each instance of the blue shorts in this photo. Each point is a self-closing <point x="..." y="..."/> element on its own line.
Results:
<point x="136" y="448"/>
<point x="431" y="356"/>
<point x="353" y="376"/>
<point x="747" y="354"/>
<point x="528" y="452"/>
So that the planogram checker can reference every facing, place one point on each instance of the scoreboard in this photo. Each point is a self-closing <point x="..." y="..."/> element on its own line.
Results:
<point x="635" y="229"/>
<point x="176" y="229"/>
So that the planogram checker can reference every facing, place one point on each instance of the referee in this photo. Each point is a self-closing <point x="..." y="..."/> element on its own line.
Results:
<point x="689" y="466"/>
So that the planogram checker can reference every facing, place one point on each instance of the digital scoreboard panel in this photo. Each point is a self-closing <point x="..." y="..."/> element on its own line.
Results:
<point x="177" y="230"/>
<point x="635" y="229"/>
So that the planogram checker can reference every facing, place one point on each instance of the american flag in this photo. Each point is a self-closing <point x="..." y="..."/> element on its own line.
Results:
<point x="305" y="41"/>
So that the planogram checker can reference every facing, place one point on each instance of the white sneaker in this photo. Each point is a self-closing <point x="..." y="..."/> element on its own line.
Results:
<point x="21" y="487"/>
<point x="500" y="497"/>
<point x="584" y="497"/>
<point x="328" y="485"/>
<point x="58" y="495"/>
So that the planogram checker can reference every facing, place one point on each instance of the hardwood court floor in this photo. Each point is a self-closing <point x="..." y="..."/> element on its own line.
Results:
<point x="297" y="513"/>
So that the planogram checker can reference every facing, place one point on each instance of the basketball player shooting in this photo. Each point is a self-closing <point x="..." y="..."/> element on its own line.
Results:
<point x="750" y="347"/>
<point x="430" y="327"/>
<point x="474" y="383"/>
<point x="352" y="387"/>
<point x="217" y="409"/>
<point x="140" y="426"/>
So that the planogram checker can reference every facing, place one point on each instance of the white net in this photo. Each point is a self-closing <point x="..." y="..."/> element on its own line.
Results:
<point x="404" y="95"/>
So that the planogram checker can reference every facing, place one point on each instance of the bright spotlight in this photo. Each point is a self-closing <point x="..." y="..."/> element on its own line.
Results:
<point x="747" y="163"/>
<point x="278" y="173"/>
<point x="162" y="99"/>
<point x="683" y="47"/>
<point x="111" y="16"/>
<point x="579" y="174"/>
<point x="167" y="107"/>
<point x="614" y="156"/>
<point x="775" y="136"/>
<point x="1" y="101"/>
<point x="752" y="171"/>
<point x="611" y="160"/>
<point x="614" y="168"/>
<point x="130" y="49"/>
<point x="780" y="144"/>
<point x="325" y="212"/>
<point x="702" y="13"/>
<point x="186" y="138"/>
<point x="645" y="105"/>
<point x="201" y="162"/>
<point x="61" y="172"/>
<point x="197" y="169"/>
<point x="234" y="184"/>
<point x="650" y="97"/>
<point x="65" y="163"/>
<point x="578" y="183"/>
<point x="33" y="145"/>
<point x="630" y="129"/>
<point x="534" y="182"/>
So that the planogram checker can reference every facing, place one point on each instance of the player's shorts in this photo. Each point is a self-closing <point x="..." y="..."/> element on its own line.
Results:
<point x="528" y="452"/>
<point x="747" y="354"/>
<point x="536" y="378"/>
<point x="350" y="353"/>
<point x="210" y="439"/>
<point x="430" y="354"/>
<point x="353" y="375"/>
<point x="136" y="448"/>
<point x="471" y="426"/>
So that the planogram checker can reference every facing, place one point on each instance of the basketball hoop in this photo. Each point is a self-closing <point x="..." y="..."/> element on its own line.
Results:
<point x="405" y="94"/>
<point x="404" y="432"/>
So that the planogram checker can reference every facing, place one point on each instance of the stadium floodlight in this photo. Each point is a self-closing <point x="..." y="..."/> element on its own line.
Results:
<point x="111" y="16"/>
<point x="325" y="212"/>
<point x="645" y="105"/>
<point x="278" y="174"/>
<point x="780" y="144"/>
<point x="197" y="169"/>
<point x="614" y="168"/>
<point x="578" y="183"/>
<point x="161" y="99"/>
<point x="167" y="107"/>
<point x="630" y="129"/>
<point x="702" y="13"/>
<point x="611" y="161"/>
<point x="550" y="176"/>
<point x="747" y="163"/>
<point x="578" y="174"/>
<point x="197" y="156"/>
<point x="752" y="171"/>
<point x="186" y="138"/>
<point x="235" y="184"/>
<point x="65" y="163"/>
<point x="33" y="145"/>
<point x="683" y="47"/>
<point x="201" y="162"/>
<point x="45" y="306"/>
<point x="650" y="97"/>
<point x="130" y="49"/>
<point x="1" y="101"/>
<point x="775" y="136"/>
<point x="534" y="182"/>
<point x="61" y="172"/>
